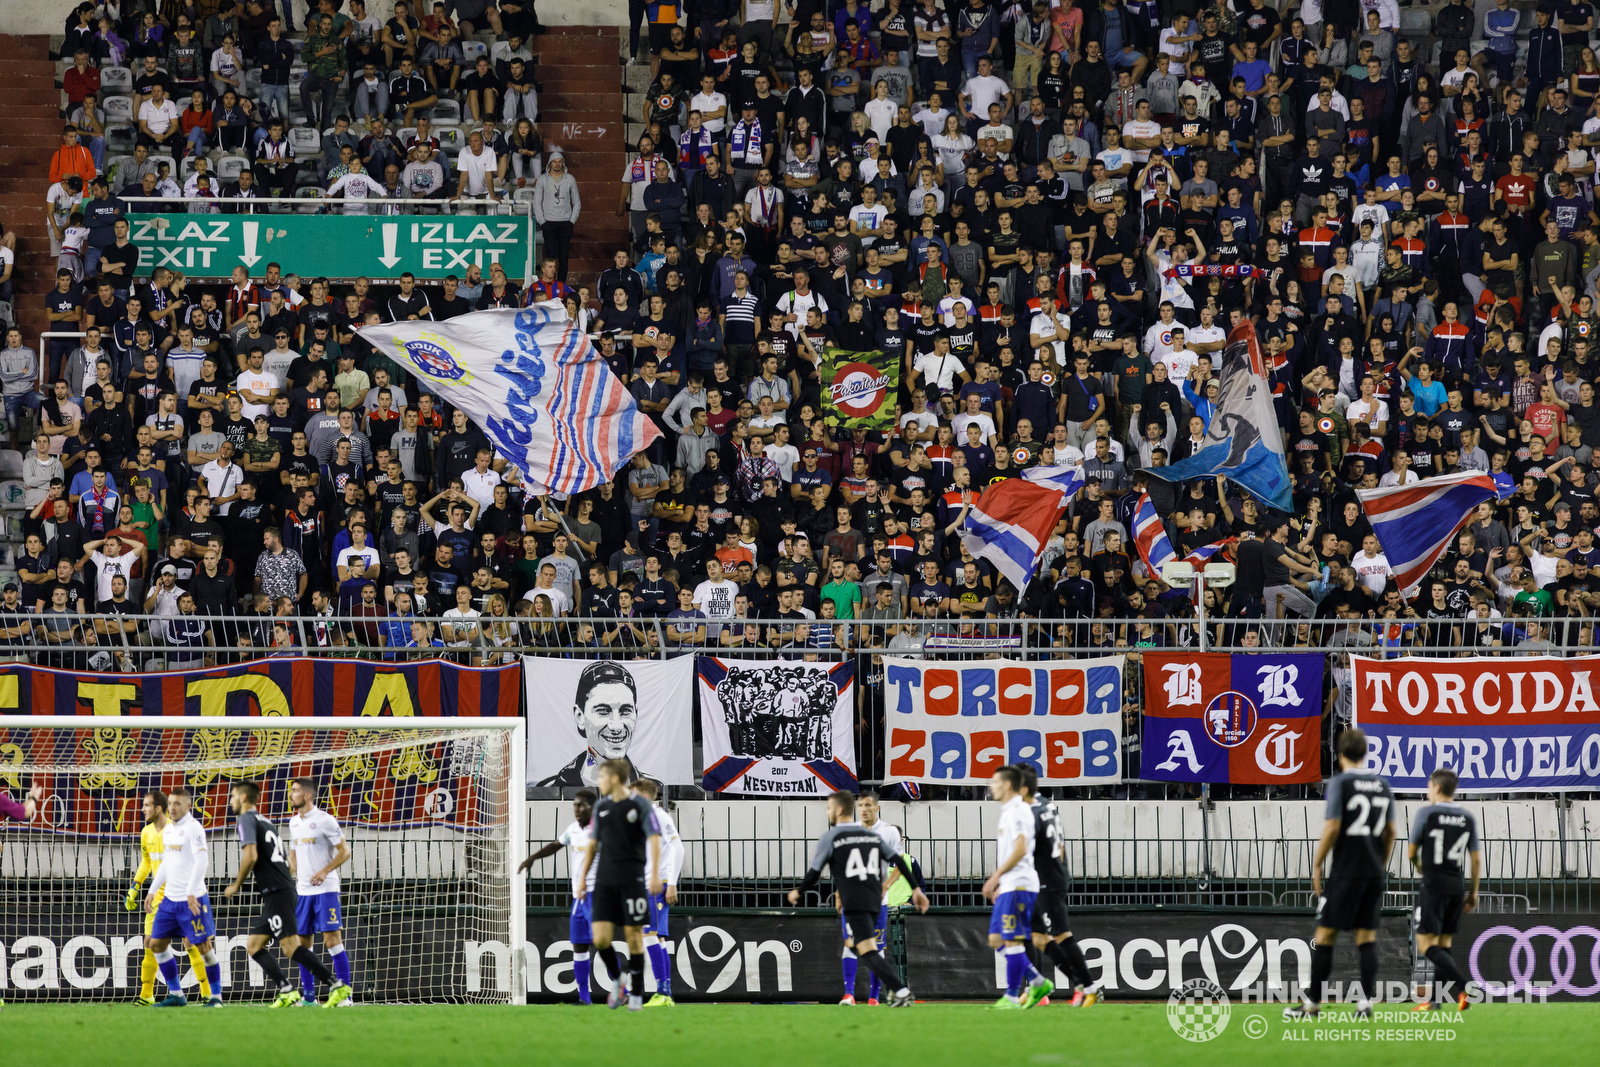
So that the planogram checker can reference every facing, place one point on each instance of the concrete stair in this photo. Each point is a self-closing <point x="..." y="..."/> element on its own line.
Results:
<point x="28" y="138"/>
<point x="581" y="111"/>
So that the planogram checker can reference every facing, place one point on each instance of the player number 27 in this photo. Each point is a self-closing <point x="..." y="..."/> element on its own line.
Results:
<point x="1457" y="853"/>
<point x="854" y="868"/>
<point x="1371" y="815"/>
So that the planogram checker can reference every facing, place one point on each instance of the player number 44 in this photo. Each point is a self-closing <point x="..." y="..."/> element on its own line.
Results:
<point x="854" y="868"/>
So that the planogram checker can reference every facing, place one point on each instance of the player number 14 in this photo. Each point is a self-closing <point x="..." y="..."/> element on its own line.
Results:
<point x="1457" y="853"/>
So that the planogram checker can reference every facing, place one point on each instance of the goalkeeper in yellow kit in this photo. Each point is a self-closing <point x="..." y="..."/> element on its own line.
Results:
<point x="151" y="851"/>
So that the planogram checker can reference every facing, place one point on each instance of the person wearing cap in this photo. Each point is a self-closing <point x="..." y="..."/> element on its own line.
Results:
<point x="556" y="205"/>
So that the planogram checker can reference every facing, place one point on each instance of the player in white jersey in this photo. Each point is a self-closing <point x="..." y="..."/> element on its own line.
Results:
<point x="657" y="927"/>
<point x="867" y="809"/>
<point x="575" y="839"/>
<point x="1014" y="886"/>
<point x="184" y="909"/>
<point x="319" y="851"/>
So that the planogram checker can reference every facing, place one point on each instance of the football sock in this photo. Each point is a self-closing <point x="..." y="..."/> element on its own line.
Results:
<point x="636" y="975"/>
<point x="580" y="972"/>
<point x="1070" y="956"/>
<point x="1016" y="969"/>
<point x="341" y="963"/>
<point x="882" y="970"/>
<point x="147" y="975"/>
<point x="311" y="971"/>
<point x="849" y="964"/>
<point x="1035" y="960"/>
<point x="661" y="966"/>
<point x="270" y="968"/>
<point x="1445" y="972"/>
<point x="608" y="956"/>
<point x="875" y="986"/>
<point x="168" y="962"/>
<point x="202" y="973"/>
<point x="1321" y="968"/>
<point x="211" y="976"/>
<point x="1368" y="954"/>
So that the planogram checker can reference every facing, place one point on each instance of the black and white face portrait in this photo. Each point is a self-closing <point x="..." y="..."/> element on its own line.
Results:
<point x="607" y="716"/>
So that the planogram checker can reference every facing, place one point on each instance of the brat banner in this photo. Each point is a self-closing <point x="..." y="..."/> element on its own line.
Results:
<point x="777" y="729"/>
<point x="584" y="712"/>
<point x="1526" y="723"/>
<point x="1247" y="719"/>
<point x="860" y="387"/>
<point x="98" y="772"/>
<point x="957" y="723"/>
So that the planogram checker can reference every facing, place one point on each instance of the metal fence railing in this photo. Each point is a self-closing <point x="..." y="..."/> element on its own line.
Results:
<point x="1539" y="856"/>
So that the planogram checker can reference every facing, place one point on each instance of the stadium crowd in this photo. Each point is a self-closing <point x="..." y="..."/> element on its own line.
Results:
<point x="1000" y="193"/>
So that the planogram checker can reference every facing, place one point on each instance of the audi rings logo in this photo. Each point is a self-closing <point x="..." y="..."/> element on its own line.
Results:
<point x="1571" y="956"/>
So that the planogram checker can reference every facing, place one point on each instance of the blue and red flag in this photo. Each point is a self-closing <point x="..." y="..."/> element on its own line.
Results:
<point x="1150" y="536"/>
<point x="1415" y="523"/>
<point x="1010" y="525"/>
<point x="1248" y="719"/>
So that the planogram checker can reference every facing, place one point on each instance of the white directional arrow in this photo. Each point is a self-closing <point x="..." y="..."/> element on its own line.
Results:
<point x="249" y="258"/>
<point x="391" y="239"/>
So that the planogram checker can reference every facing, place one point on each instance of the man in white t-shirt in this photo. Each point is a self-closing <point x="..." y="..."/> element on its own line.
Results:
<point x="974" y="415"/>
<point x="1402" y="474"/>
<point x="1158" y="338"/>
<point x="712" y="105"/>
<point x="1142" y="133"/>
<point x="480" y="170"/>
<point x="926" y="423"/>
<point x="986" y="89"/>
<point x="1050" y="327"/>
<point x="222" y="477"/>
<point x="1371" y="566"/>
<point x="1207" y="337"/>
<point x="256" y="387"/>
<point x="715" y="596"/>
<point x="866" y="218"/>
<point x="939" y="368"/>
<point x="158" y="119"/>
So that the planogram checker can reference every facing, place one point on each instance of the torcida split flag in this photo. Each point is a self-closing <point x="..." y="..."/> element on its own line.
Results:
<point x="532" y="380"/>
<point x="1415" y="523"/>
<point x="1010" y="525"/>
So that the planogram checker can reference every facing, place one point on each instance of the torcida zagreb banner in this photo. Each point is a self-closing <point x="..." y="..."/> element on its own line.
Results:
<point x="1526" y="723"/>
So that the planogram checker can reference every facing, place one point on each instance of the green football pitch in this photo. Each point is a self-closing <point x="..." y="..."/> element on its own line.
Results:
<point x="791" y="1035"/>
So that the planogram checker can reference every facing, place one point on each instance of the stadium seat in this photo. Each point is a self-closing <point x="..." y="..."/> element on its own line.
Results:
<point x="252" y="83"/>
<point x="452" y="139"/>
<point x="405" y="133"/>
<point x="228" y="168"/>
<point x="116" y="78"/>
<point x="473" y="49"/>
<point x="118" y="109"/>
<point x="447" y="113"/>
<point x="297" y="76"/>
<point x="10" y="467"/>
<point x="523" y="195"/>
<point x="310" y="196"/>
<point x="113" y="167"/>
<point x="306" y="142"/>
<point x="1415" y="21"/>
<point x="121" y="139"/>
<point x="499" y="51"/>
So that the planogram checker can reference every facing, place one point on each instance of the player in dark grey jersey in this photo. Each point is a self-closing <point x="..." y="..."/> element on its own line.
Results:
<point x="264" y="853"/>
<point x="1359" y="830"/>
<point x="1052" y="933"/>
<point x="1444" y="841"/>
<point x="624" y="831"/>
<point x="855" y="855"/>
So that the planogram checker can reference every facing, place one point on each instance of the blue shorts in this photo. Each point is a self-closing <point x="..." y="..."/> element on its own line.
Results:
<point x="1012" y="917"/>
<point x="174" y="920"/>
<point x="880" y="932"/>
<point x="319" y="913"/>
<point x="578" y="925"/>
<point x="1123" y="57"/>
<point x="658" y="920"/>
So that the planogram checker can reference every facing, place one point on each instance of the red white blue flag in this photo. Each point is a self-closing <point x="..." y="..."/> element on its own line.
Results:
<point x="533" y="382"/>
<point x="1010" y="525"/>
<point x="1151" y="536"/>
<point x="1415" y="523"/>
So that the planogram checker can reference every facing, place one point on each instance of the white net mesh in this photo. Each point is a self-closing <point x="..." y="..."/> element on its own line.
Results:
<point x="426" y="812"/>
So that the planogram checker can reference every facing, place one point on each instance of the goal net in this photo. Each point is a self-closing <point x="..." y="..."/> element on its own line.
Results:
<point x="432" y="809"/>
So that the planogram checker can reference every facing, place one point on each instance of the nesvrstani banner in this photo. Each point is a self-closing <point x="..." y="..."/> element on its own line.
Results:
<point x="584" y="712"/>
<point x="1525" y="723"/>
<point x="1248" y="719"/>
<point x="957" y="723"/>
<point x="780" y="728"/>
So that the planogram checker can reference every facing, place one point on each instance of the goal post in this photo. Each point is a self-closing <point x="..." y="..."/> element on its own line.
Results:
<point x="433" y="809"/>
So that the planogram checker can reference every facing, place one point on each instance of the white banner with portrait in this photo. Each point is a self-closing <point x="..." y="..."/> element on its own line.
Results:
<point x="584" y="712"/>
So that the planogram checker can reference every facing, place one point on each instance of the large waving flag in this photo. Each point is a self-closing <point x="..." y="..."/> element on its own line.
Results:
<point x="1202" y="555"/>
<point x="1151" y="536"/>
<point x="535" y="384"/>
<point x="1415" y="523"/>
<point x="1067" y="479"/>
<point x="1243" y="442"/>
<point x="1010" y="525"/>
